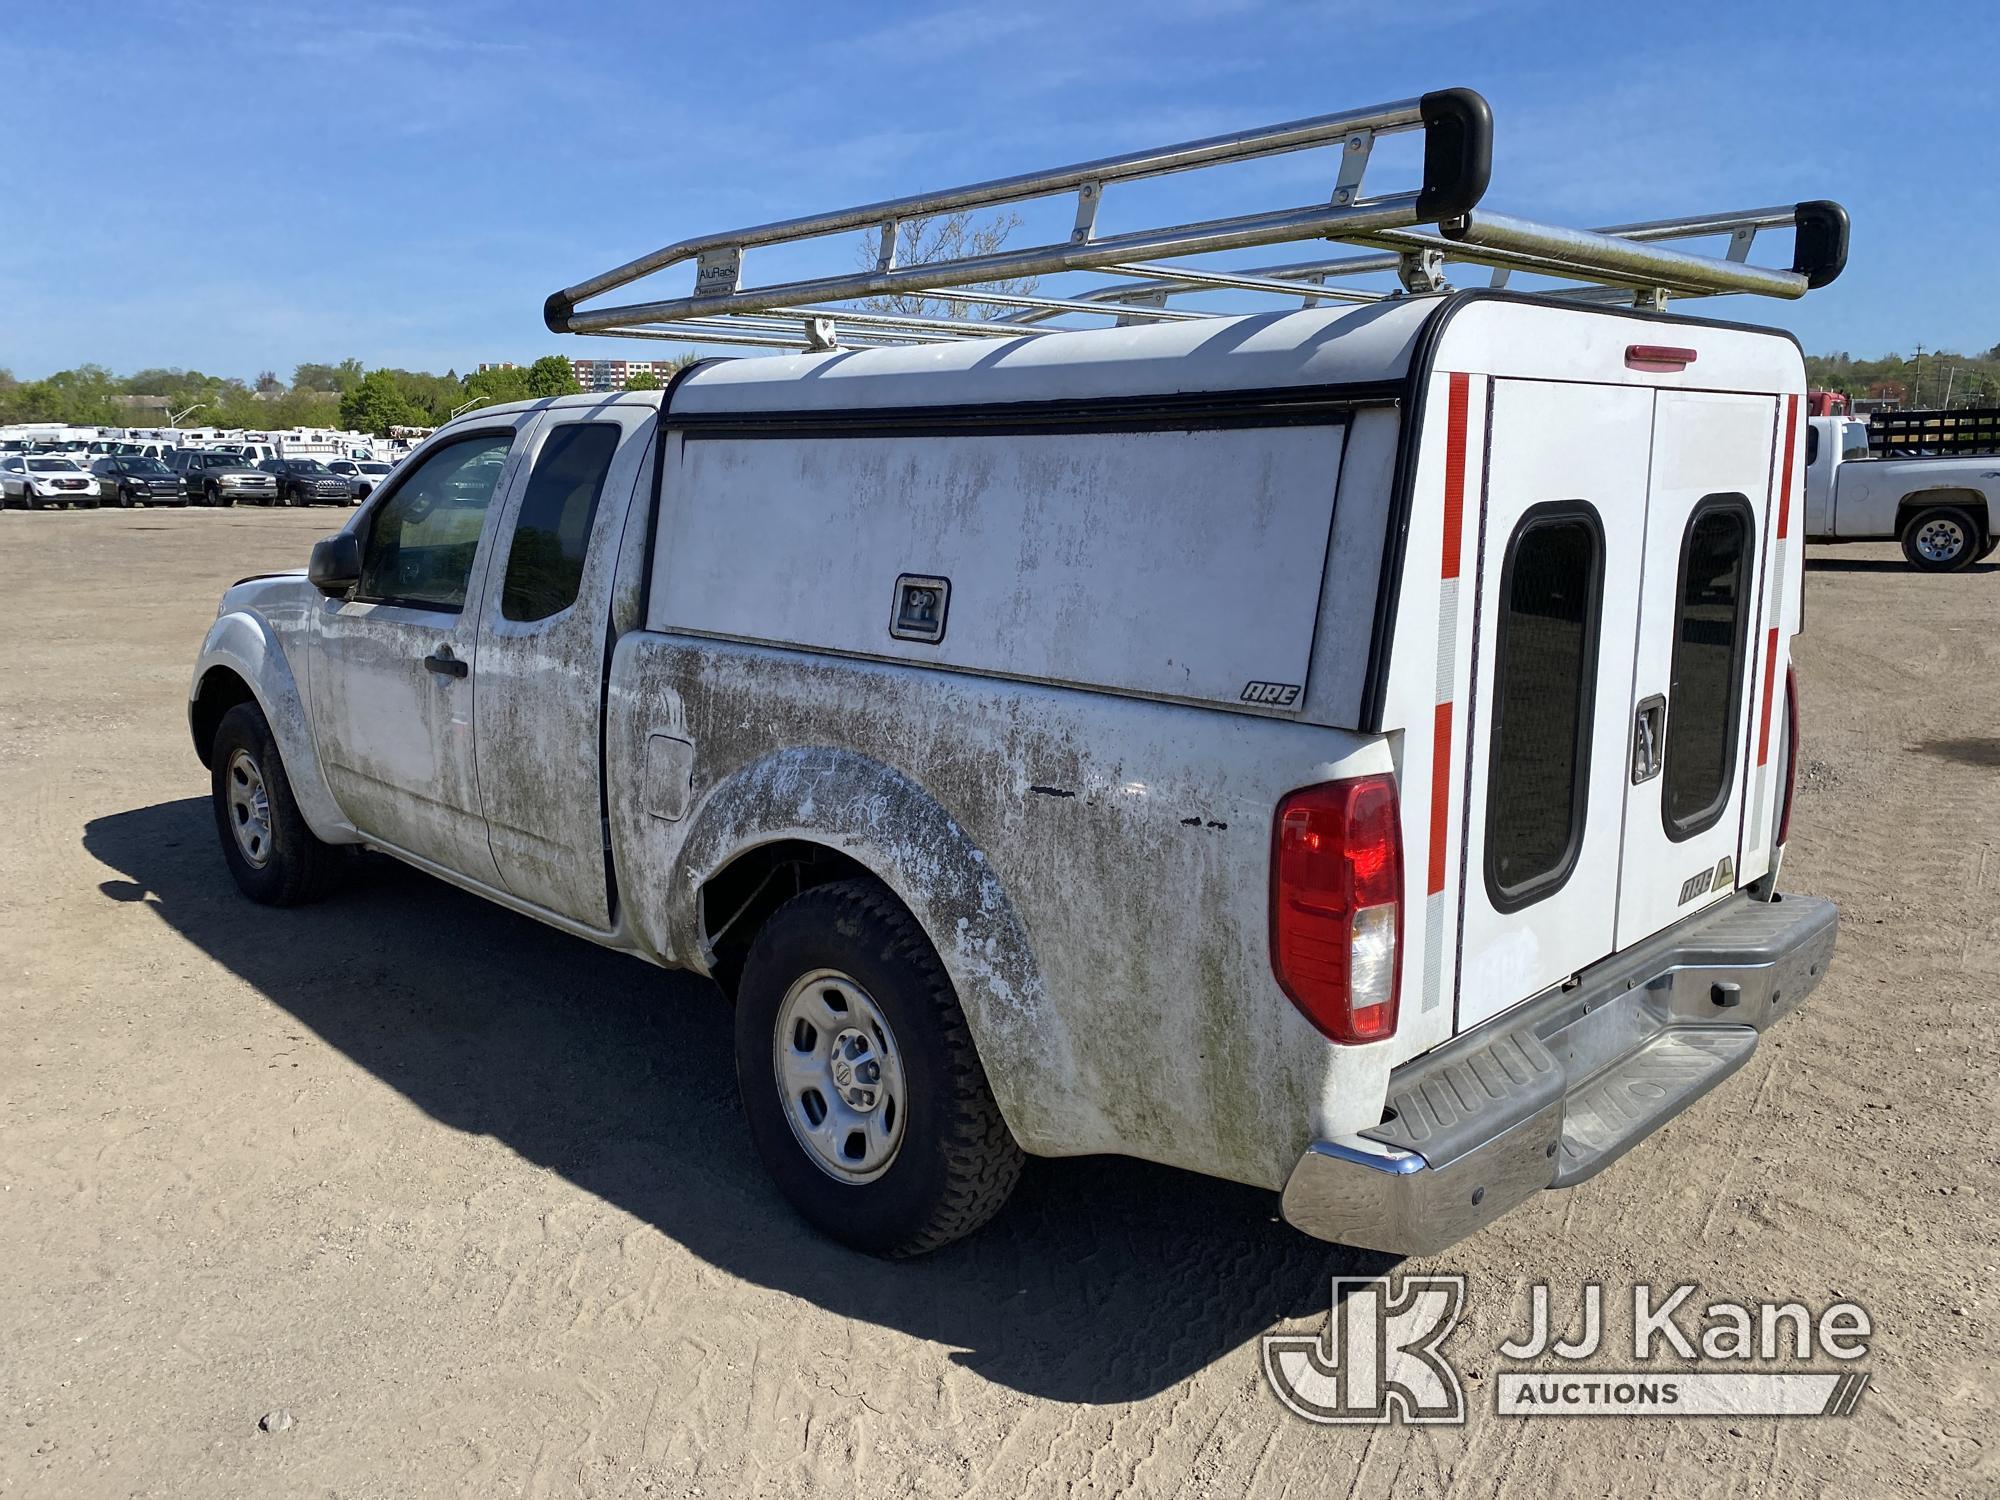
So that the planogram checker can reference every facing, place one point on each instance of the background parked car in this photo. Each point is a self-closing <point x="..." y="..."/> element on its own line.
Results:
<point x="367" y="474"/>
<point x="39" y="479"/>
<point x="307" y="481"/>
<point x="132" y="480"/>
<point x="221" y="478"/>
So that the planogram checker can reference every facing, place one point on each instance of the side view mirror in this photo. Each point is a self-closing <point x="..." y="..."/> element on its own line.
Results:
<point x="336" y="564"/>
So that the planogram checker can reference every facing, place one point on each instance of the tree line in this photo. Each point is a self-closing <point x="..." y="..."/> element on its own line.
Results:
<point x="345" y="395"/>
<point x="348" y="395"/>
<point x="1924" y="379"/>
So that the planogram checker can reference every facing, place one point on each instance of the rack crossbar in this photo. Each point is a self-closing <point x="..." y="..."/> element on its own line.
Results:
<point x="995" y="293"/>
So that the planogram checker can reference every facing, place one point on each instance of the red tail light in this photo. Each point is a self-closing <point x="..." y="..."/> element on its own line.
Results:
<point x="1337" y="906"/>
<point x="1658" y="357"/>
<point x="1791" y="752"/>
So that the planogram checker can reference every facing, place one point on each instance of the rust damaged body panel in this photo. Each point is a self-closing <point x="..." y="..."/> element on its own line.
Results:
<point x="1093" y="870"/>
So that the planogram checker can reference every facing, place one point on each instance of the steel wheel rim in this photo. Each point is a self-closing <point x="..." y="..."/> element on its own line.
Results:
<point x="840" y="1076"/>
<point x="249" y="808"/>
<point x="1940" y="540"/>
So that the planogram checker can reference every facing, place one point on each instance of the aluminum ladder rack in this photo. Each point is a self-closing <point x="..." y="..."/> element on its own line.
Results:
<point x="1415" y="234"/>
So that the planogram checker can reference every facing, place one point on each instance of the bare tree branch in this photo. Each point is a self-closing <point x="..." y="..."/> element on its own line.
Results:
<point x="942" y="237"/>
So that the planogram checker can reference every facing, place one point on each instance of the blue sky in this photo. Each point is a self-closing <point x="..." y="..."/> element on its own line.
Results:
<point x="237" y="185"/>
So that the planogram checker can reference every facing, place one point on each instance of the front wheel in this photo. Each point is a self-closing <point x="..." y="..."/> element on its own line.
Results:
<point x="1941" y="539"/>
<point x="865" y="1098"/>
<point x="276" y="859"/>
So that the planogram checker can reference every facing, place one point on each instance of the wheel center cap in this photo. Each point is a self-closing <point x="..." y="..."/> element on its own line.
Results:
<point x="843" y="1072"/>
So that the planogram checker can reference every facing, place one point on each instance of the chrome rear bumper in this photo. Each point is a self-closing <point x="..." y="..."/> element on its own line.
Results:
<point x="1561" y="1086"/>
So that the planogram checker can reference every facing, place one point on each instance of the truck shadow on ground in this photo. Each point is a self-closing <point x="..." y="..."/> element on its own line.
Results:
<point x="1105" y="1280"/>
<point x="1882" y="565"/>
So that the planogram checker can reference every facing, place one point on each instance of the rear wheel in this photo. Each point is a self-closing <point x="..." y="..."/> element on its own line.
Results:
<point x="864" y="1095"/>
<point x="275" y="857"/>
<point x="1941" y="539"/>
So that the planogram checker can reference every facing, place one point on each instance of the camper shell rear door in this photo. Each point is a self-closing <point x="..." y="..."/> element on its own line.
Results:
<point x="1597" y="593"/>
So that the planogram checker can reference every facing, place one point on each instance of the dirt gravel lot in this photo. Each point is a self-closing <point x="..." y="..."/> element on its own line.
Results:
<point x="472" y="1202"/>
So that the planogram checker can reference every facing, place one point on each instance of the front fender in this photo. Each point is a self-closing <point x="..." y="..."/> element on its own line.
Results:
<point x="886" y="822"/>
<point x="244" y="643"/>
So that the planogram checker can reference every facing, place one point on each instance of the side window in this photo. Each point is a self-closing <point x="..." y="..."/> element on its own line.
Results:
<point x="1854" y="441"/>
<point x="1711" y="621"/>
<point x="1544" y="689"/>
<point x="1812" y="446"/>
<point x="421" y="540"/>
<point x="545" y="563"/>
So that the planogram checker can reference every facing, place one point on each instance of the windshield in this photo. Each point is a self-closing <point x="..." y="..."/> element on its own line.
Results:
<point x="146" y="466"/>
<point x="52" y="466"/>
<point x="373" y="468"/>
<point x="309" y="466"/>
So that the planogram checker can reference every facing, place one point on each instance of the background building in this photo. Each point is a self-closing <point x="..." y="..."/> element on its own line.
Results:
<point x="605" y="374"/>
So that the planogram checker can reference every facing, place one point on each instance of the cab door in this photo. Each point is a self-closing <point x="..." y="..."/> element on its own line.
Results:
<point x="1687" y="767"/>
<point x="391" y="680"/>
<point x="1561" y="533"/>
<point x="544" y="632"/>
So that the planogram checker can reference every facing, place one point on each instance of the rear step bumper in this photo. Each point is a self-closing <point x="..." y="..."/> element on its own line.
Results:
<point x="1562" y="1086"/>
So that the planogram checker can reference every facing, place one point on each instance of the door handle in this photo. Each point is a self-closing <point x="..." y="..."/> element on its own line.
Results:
<point x="445" y="664"/>
<point x="1649" y="739"/>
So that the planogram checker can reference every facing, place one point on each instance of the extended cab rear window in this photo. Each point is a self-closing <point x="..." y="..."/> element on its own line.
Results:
<point x="1544" y="681"/>
<point x="545" y="562"/>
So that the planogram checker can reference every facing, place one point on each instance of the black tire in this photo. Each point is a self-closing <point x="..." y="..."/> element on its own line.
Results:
<point x="1986" y="549"/>
<point x="956" y="1162"/>
<point x="1926" y="530"/>
<point x="124" y="498"/>
<point x="296" y="867"/>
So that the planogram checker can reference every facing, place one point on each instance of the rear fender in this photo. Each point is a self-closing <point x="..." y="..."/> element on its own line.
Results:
<point x="883" y="820"/>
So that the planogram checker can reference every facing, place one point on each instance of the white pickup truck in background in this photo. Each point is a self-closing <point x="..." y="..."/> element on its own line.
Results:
<point x="1940" y="509"/>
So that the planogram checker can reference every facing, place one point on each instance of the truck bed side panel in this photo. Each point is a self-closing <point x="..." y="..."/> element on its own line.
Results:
<point x="1094" y="872"/>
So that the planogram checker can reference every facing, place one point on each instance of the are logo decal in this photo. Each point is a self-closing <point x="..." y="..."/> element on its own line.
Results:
<point x="1271" y="694"/>
<point x="1718" y="879"/>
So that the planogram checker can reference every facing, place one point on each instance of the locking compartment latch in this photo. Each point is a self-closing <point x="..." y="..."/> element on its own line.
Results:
<point x="921" y="604"/>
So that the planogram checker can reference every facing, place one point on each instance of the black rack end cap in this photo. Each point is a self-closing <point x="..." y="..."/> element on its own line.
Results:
<point x="556" y="311"/>
<point x="1458" y="153"/>
<point x="1819" y="253"/>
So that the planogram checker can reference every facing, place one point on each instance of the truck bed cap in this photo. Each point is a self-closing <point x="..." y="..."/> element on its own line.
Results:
<point x="1268" y="351"/>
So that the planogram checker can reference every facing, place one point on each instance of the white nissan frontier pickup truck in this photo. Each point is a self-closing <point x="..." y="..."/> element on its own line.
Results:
<point x="1345" y="748"/>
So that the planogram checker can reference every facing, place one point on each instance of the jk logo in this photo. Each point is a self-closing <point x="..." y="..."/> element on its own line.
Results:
<point x="1379" y="1359"/>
